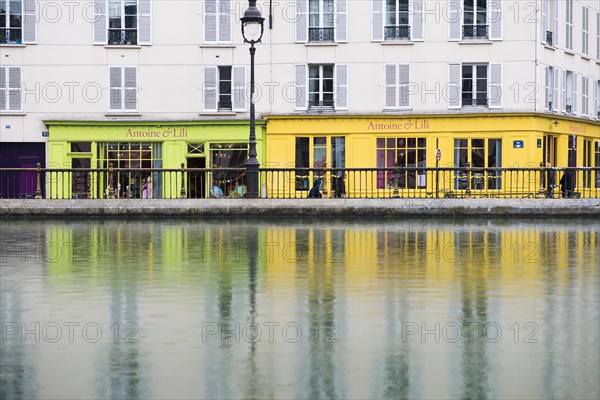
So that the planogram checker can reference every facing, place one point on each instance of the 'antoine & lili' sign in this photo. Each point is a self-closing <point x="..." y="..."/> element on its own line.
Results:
<point x="157" y="133"/>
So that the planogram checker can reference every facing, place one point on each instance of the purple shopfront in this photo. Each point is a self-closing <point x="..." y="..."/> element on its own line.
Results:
<point x="17" y="184"/>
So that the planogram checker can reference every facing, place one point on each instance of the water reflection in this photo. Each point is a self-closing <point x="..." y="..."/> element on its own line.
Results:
<point x="369" y="309"/>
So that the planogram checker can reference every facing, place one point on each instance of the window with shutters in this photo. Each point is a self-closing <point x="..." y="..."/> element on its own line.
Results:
<point x="569" y="24"/>
<point x="123" y="89"/>
<point x="17" y="21"/>
<point x="217" y="22"/>
<point x="320" y="86"/>
<point x="585" y="30"/>
<point x="474" y="85"/>
<point x="122" y="22"/>
<point x="10" y="89"/>
<point x="551" y="89"/>
<point x="224" y="88"/>
<point x="475" y="19"/>
<point x="397" y="81"/>
<point x="550" y="22"/>
<point x="570" y="93"/>
<point x="598" y="36"/>
<point x="585" y="95"/>
<point x="397" y="25"/>
<point x="320" y="21"/>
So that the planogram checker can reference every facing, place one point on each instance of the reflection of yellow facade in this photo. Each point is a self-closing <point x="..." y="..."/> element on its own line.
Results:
<point x="526" y="141"/>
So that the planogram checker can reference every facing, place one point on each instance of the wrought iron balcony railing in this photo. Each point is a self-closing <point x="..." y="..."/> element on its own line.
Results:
<point x="475" y="32"/>
<point x="396" y="32"/>
<point x="321" y="34"/>
<point x="122" y="36"/>
<point x="11" y="35"/>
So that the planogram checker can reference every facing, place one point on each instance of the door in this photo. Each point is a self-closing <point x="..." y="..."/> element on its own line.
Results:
<point x="81" y="180"/>
<point x="16" y="184"/>
<point x="196" y="181"/>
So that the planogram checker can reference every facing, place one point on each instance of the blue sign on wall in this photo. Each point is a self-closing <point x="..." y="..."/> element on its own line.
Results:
<point x="518" y="144"/>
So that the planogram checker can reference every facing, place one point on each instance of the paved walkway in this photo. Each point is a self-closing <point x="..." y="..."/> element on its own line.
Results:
<point x="301" y="207"/>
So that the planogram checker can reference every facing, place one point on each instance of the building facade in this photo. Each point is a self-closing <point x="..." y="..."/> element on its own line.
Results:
<point x="339" y="83"/>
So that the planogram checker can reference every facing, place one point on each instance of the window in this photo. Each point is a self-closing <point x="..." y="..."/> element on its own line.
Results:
<point x="397" y="20"/>
<point x="585" y="30"/>
<point x="224" y="88"/>
<point x="569" y="92"/>
<point x="321" y="21"/>
<point x="550" y="22"/>
<point x="598" y="99"/>
<point x="475" y="85"/>
<point x="217" y="21"/>
<point x="10" y="89"/>
<point x="122" y="22"/>
<point x="587" y="163"/>
<point x="321" y="87"/>
<point x="597" y="157"/>
<point x="598" y="36"/>
<point x="474" y="19"/>
<point x="315" y="155"/>
<point x="403" y="153"/>
<point x="17" y="21"/>
<point x="551" y="92"/>
<point x="123" y="88"/>
<point x="397" y="24"/>
<point x="569" y="19"/>
<point x="585" y="97"/>
<point x="478" y="154"/>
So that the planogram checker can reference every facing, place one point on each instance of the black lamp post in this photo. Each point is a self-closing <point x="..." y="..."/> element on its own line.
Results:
<point x="252" y="31"/>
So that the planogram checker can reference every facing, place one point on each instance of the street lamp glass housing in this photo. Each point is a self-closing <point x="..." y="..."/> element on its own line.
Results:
<point x="252" y="24"/>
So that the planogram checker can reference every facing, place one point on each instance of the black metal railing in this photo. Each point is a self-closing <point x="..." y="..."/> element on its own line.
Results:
<point x="320" y="104"/>
<point x="475" y="32"/>
<point x="286" y="183"/>
<point x="224" y="105"/>
<point x="396" y="32"/>
<point x="11" y="35"/>
<point x="549" y="38"/>
<point x="469" y="101"/>
<point x="122" y="36"/>
<point x="320" y="34"/>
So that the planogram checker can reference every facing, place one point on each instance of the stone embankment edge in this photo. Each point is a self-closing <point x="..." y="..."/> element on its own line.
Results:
<point x="17" y="208"/>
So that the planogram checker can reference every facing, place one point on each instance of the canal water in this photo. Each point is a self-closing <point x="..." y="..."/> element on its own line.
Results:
<point x="226" y="309"/>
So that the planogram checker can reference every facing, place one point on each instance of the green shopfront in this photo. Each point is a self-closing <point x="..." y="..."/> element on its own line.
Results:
<point x="135" y="149"/>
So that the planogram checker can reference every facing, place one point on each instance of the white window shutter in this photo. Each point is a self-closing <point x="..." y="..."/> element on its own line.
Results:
<point x="391" y="86"/>
<point x="455" y="20"/>
<point x="29" y="27"/>
<point x="495" y="17"/>
<point x="547" y="89"/>
<point x="564" y="91"/>
<point x="210" y="21"/>
<point x="14" y="86"/>
<point x="100" y="25"/>
<point x="130" y="88"/>
<point x="300" y="78"/>
<point x="377" y="21"/>
<point x="145" y="22"/>
<point x="239" y="88"/>
<point x="574" y="93"/>
<point x="224" y="21"/>
<point x="404" y="85"/>
<point x="545" y="5"/>
<point x="341" y="21"/>
<point x="115" y="76"/>
<point x="555" y="28"/>
<point x="3" y="88"/>
<point x="341" y="87"/>
<point x="209" y="89"/>
<point x="495" y="86"/>
<point x="416" y="27"/>
<point x="597" y="86"/>
<point x="301" y="21"/>
<point x="555" y="91"/>
<point x="454" y="91"/>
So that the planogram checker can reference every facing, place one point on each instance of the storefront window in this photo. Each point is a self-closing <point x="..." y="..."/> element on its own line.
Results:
<point x="597" y="163"/>
<point x="228" y="155"/>
<point x="81" y="147"/>
<point x="403" y="153"/>
<point x="482" y="155"/>
<point x="137" y="157"/>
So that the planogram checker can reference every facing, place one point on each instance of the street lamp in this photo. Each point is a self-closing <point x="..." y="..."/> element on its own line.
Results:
<point x="252" y="31"/>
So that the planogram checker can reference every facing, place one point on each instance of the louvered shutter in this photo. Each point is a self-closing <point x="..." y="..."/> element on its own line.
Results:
<point x="3" y="87"/>
<point x="391" y="86"/>
<point x="377" y="21"/>
<point x="564" y="91"/>
<point x="301" y="21"/>
<point x="555" y="91"/>
<point x="555" y="26"/>
<point x="495" y="19"/>
<point x="454" y="20"/>
<point x="14" y="86"/>
<point x="300" y="77"/>
<point x="115" y="88"/>
<point x="145" y="22"/>
<point x="574" y="93"/>
<point x="545" y="5"/>
<point x="209" y="89"/>
<point x="210" y="21"/>
<point x="454" y="91"/>
<point x="29" y="26"/>
<point x="130" y="88"/>
<point x="495" y="86"/>
<point x="597" y="95"/>
<point x="547" y="88"/>
<point x="417" y="20"/>
<point x="341" y="85"/>
<point x="100" y="26"/>
<point x="341" y="21"/>
<point x="239" y="89"/>
<point x="224" y="21"/>
<point x="403" y="85"/>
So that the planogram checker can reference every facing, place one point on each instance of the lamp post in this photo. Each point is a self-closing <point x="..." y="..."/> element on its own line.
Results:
<point x="252" y="31"/>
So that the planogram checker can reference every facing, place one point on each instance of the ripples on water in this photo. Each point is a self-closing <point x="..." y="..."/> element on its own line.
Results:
<point x="365" y="309"/>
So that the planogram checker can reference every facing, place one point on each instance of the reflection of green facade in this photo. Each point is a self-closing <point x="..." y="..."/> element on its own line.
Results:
<point x="143" y="145"/>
